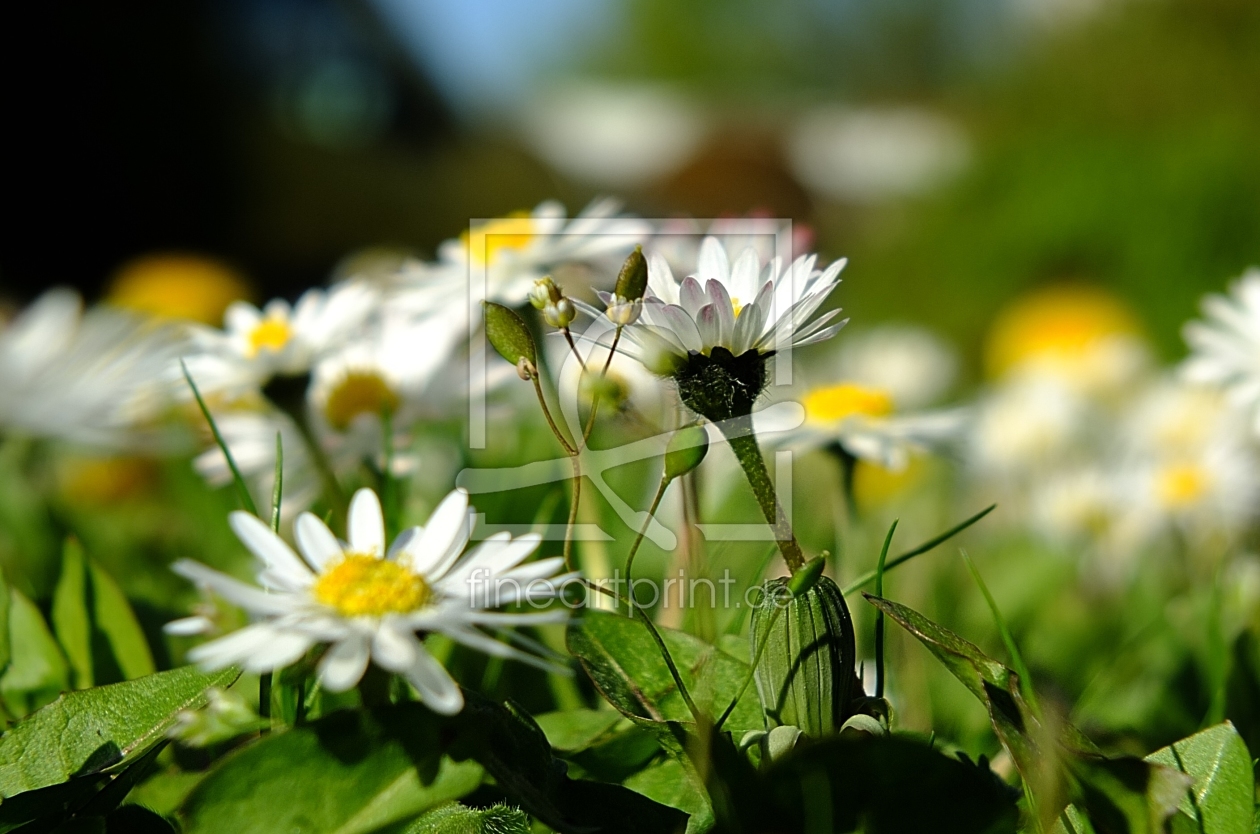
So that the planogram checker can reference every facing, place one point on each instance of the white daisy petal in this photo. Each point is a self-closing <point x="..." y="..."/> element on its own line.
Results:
<point x="395" y="647"/>
<point x="266" y="545"/>
<point x="366" y="524"/>
<point x="316" y="542"/>
<point x="282" y="649"/>
<point x="254" y="600"/>
<point x="344" y="664"/>
<point x="435" y="685"/>
<point x="443" y="538"/>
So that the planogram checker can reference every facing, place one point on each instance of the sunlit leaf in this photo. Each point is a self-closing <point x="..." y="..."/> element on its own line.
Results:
<point x="351" y="772"/>
<point x="1224" y="788"/>
<point x="87" y="732"/>
<point x="457" y="819"/>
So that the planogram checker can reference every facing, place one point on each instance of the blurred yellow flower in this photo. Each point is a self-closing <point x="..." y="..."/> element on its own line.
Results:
<point x="874" y="485"/>
<point x="847" y="399"/>
<point x="484" y="243"/>
<point x="1060" y="326"/>
<point x="180" y="286"/>
<point x="91" y="481"/>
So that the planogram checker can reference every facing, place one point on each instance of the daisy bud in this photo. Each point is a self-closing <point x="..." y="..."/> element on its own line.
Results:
<point x="544" y="292"/>
<point x="624" y="311"/>
<point x="805" y="676"/>
<point x="559" y="314"/>
<point x="686" y="449"/>
<point x="525" y="369"/>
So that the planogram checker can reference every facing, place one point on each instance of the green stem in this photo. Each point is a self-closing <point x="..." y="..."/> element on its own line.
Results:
<point x="869" y="576"/>
<point x="879" y="613"/>
<point x="638" y="540"/>
<point x="743" y="443"/>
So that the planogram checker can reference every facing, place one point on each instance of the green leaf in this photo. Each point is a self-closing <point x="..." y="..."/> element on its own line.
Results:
<point x="633" y="279"/>
<point x="6" y="653"/>
<point x="37" y="671"/>
<point x="1222" y="797"/>
<point x="350" y="772"/>
<point x="70" y="618"/>
<point x="507" y="742"/>
<point x="457" y="819"/>
<point x="602" y="743"/>
<point x="1118" y="794"/>
<point x="509" y="335"/>
<point x="884" y="784"/>
<point x="669" y="784"/>
<point x="86" y="732"/>
<point x="95" y="624"/>
<point x="626" y="667"/>
<point x="113" y="618"/>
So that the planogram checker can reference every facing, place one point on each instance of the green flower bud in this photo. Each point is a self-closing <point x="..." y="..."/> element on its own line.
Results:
<point x="632" y="282"/>
<point x="544" y="292"/>
<point x="806" y="674"/>
<point x="686" y="449"/>
<point x="624" y="311"/>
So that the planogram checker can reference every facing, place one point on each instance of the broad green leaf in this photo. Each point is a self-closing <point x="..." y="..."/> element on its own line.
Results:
<point x="351" y="772"/>
<point x="1224" y="789"/>
<point x="457" y="819"/>
<point x="625" y="665"/>
<point x="37" y="671"/>
<point x="70" y="618"/>
<point x="87" y="732"/>
<point x="1126" y="795"/>
<point x="95" y="624"/>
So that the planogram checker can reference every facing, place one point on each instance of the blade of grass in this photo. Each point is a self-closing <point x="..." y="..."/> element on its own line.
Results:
<point x="1017" y="660"/>
<point x="277" y="492"/>
<point x="879" y="614"/>
<point x="247" y="501"/>
<point x="869" y="576"/>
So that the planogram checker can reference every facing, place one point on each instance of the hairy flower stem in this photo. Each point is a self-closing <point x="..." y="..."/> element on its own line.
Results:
<point x="743" y="442"/>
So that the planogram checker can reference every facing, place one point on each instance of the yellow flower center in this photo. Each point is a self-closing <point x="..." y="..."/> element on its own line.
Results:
<point x="736" y="305"/>
<point x="1060" y="325"/>
<point x="359" y="392"/>
<point x="874" y="484"/>
<point x="485" y="242"/>
<point x="178" y="286"/>
<point x="365" y="586"/>
<point x="1182" y="485"/>
<point x="838" y="402"/>
<point x="270" y="334"/>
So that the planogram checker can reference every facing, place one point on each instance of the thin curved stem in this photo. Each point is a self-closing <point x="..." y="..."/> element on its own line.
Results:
<point x="542" y="401"/>
<point x="638" y="540"/>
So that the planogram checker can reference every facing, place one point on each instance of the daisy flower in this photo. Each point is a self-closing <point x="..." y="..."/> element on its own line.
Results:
<point x="279" y="339"/>
<point x="737" y="307"/>
<point x="94" y="378"/>
<point x="1225" y="349"/>
<point x="517" y="250"/>
<point x="875" y="411"/>
<point x="368" y="604"/>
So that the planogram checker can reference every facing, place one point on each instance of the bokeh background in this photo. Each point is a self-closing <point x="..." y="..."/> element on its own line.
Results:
<point x="958" y="151"/>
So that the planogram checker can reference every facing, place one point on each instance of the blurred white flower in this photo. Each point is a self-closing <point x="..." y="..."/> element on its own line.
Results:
<point x="875" y="154"/>
<point x="874" y="401"/>
<point x="615" y="135"/>
<point x="912" y="364"/>
<point x="250" y="435"/>
<point x="256" y="345"/>
<point x="1024" y="426"/>
<point x="367" y="604"/>
<point x="514" y="251"/>
<point x="1225" y="349"/>
<point x="738" y="307"/>
<point x="96" y="378"/>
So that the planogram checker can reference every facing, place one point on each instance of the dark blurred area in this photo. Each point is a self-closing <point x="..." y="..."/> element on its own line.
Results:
<point x="958" y="152"/>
